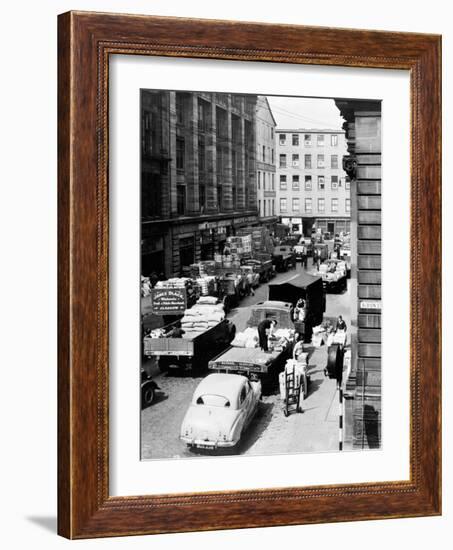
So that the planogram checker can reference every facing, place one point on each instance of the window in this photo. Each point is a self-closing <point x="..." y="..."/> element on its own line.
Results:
<point x="272" y="156"/>
<point x="334" y="205"/>
<point x="334" y="183"/>
<point x="320" y="162"/>
<point x="347" y="205"/>
<point x="320" y="140"/>
<point x="259" y="209"/>
<point x="272" y="133"/>
<point x="321" y="205"/>
<point x="259" y="180"/>
<point x="282" y="139"/>
<point x="203" y="115"/>
<point x="180" y="109"/>
<point x="308" y="205"/>
<point x="296" y="205"/>
<point x="273" y="182"/>
<point x="308" y="184"/>
<point x="307" y="140"/>
<point x="180" y="153"/>
<point x="147" y="133"/>
<point x="283" y="186"/>
<point x="282" y="161"/>
<point x="264" y="153"/>
<point x="282" y="205"/>
<point x="295" y="139"/>
<point x="307" y="161"/>
<point x="321" y="183"/>
<point x="296" y="183"/>
<point x="181" y="199"/>
<point x="347" y="184"/>
<point x="202" y="197"/>
<point x="334" y="140"/>
<point x="334" y="161"/>
<point x="201" y="154"/>
<point x="295" y="160"/>
<point x="264" y="181"/>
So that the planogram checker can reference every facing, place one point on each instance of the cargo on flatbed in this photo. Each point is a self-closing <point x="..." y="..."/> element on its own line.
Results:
<point x="190" y="349"/>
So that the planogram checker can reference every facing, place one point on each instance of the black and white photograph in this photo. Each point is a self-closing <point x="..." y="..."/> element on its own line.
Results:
<point x="260" y="285"/>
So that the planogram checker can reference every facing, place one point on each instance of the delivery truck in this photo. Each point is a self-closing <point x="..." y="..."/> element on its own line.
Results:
<point x="253" y="361"/>
<point x="176" y="348"/>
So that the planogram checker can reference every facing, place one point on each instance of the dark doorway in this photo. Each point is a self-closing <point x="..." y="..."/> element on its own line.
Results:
<point x="153" y="262"/>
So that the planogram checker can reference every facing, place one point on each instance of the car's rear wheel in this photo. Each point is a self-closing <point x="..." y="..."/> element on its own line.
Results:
<point x="148" y="394"/>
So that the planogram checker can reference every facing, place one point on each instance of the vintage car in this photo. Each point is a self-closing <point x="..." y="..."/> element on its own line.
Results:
<point x="222" y="407"/>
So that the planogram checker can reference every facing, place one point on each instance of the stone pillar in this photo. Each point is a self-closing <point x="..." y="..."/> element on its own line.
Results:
<point x="250" y="170"/>
<point x="165" y="173"/>
<point x="172" y="154"/>
<point x="191" y="162"/>
<point x="242" y="172"/>
<point x="211" y="161"/>
<point x="227" y="183"/>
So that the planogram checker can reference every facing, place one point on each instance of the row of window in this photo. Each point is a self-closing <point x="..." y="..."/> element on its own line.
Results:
<point x="335" y="182"/>
<point x="267" y="182"/>
<point x="267" y="156"/>
<point x="309" y="205"/>
<point x="309" y="139"/>
<point x="320" y="161"/>
<point x="266" y="207"/>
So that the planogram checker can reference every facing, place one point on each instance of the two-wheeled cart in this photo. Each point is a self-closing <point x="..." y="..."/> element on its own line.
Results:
<point x="293" y="385"/>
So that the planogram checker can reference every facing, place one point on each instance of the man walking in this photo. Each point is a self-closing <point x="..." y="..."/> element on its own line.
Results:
<point x="263" y="327"/>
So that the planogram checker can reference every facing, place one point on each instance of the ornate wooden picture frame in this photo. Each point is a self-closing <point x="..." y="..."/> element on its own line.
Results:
<point x="86" y="41"/>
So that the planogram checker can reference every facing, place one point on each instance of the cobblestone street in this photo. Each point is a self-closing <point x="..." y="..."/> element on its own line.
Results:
<point x="270" y="432"/>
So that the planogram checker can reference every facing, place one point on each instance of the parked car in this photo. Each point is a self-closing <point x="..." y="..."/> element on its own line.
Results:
<point x="222" y="407"/>
<point x="148" y="389"/>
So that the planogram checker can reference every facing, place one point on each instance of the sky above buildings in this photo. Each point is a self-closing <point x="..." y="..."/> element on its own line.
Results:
<point x="302" y="112"/>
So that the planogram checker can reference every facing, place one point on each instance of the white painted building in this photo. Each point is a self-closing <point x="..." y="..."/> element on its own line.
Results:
<point x="266" y="163"/>
<point x="311" y="188"/>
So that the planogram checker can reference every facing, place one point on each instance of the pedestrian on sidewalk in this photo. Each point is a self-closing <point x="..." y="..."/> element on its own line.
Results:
<point x="249" y="280"/>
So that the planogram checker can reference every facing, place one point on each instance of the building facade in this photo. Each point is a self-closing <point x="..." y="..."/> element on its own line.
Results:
<point x="198" y="175"/>
<point x="265" y="163"/>
<point x="363" y="386"/>
<point x="312" y="188"/>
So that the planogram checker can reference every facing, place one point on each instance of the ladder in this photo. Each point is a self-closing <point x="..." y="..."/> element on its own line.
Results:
<point x="292" y="394"/>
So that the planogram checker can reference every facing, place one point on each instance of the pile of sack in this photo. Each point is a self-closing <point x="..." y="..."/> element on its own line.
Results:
<point x="207" y="285"/>
<point x="146" y="286"/>
<point x="300" y="371"/>
<point x="246" y="339"/>
<point x="206" y="313"/>
<point x="317" y="338"/>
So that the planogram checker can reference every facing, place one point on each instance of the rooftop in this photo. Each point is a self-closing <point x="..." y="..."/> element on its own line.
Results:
<point x="309" y="131"/>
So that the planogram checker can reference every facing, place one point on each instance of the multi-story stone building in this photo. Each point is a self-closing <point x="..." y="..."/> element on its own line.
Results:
<point x="363" y="387"/>
<point x="265" y="163"/>
<point x="198" y="175"/>
<point x="312" y="188"/>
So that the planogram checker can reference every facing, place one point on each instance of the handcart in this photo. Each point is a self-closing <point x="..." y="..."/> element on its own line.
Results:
<point x="291" y="401"/>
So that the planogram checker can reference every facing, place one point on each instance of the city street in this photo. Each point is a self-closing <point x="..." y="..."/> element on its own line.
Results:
<point x="314" y="430"/>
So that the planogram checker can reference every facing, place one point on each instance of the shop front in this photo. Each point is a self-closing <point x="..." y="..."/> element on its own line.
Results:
<point x="152" y="255"/>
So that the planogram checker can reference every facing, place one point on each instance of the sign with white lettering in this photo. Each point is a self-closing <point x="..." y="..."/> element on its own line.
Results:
<point x="168" y="301"/>
<point x="370" y="305"/>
